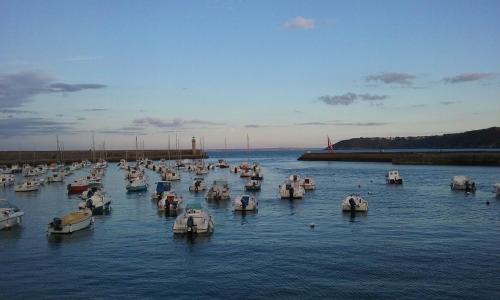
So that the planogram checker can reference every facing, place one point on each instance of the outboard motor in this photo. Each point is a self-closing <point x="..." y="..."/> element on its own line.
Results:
<point x="56" y="224"/>
<point x="244" y="202"/>
<point x="290" y="192"/>
<point x="190" y="224"/>
<point x="89" y="203"/>
<point x="352" y="203"/>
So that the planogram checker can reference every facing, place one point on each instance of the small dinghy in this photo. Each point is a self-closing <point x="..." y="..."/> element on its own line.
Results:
<point x="170" y="202"/>
<point x="27" y="186"/>
<point x="193" y="221"/>
<point x="71" y="222"/>
<point x="219" y="191"/>
<point x="308" y="184"/>
<point x="198" y="185"/>
<point x="393" y="177"/>
<point x="291" y="190"/>
<point x="138" y="184"/>
<point x="354" y="203"/>
<point x="10" y="215"/>
<point x="222" y="164"/>
<point x="98" y="203"/>
<point x="245" y="203"/>
<point x="462" y="183"/>
<point x="252" y="185"/>
<point x="55" y="177"/>
<point x="171" y="176"/>
<point x="161" y="187"/>
<point x="7" y="180"/>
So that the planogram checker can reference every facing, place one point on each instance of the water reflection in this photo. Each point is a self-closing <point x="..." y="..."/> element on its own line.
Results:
<point x="353" y="216"/>
<point x="55" y="240"/>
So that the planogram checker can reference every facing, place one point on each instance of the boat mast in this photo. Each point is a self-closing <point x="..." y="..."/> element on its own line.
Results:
<point x="248" y="148"/>
<point x="136" y="157"/>
<point x="93" y="148"/>
<point x="169" y="151"/>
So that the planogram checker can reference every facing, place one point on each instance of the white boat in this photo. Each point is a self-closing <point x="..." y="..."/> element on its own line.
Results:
<point x="134" y="173"/>
<point x="462" y="183"/>
<point x="15" y="168"/>
<point x="171" y="176"/>
<point x="98" y="203"/>
<point x="245" y="203"/>
<point x="308" y="183"/>
<point x="295" y="178"/>
<point x="219" y="191"/>
<point x="200" y="171"/>
<point x="10" y="215"/>
<point x="291" y="190"/>
<point x="170" y="201"/>
<point x="246" y="173"/>
<point x="5" y="170"/>
<point x="31" y="172"/>
<point x="354" y="203"/>
<point x="193" y="221"/>
<point x="234" y="169"/>
<point x="161" y="188"/>
<point x="71" y="222"/>
<point x="198" y="185"/>
<point x="252" y="185"/>
<point x="393" y="177"/>
<point x="497" y="189"/>
<point x="257" y="176"/>
<point x="138" y="184"/>
<point x="27" y="186"/>
<point x="7" y="180"/>
<point x="222" y="164"/>
<point x="55" y="177"/>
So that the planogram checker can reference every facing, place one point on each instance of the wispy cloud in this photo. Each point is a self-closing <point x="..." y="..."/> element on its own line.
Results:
<point x="466" y="77"/>
<point x="252" y="126"/>
<point x="350" y="98"/>
<point x="15" y="111"/>
<point x="96" y="109"/>
<point x="19" y="88"/>
<point x="81" y="118"/>
<point x="81" y="58"/>
<point x="448" y="102"/>
<point x="174" y="123"/>
<point x="32" y="126"/>
<point x="403" y="79"/>
<point x="341" y="123"/>
<point x="299" y="23"/>
<point x="59" y="115"/>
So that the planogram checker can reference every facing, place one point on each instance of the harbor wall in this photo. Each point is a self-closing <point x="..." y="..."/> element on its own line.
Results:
<point x="22" y="157"/>
<point x="472" y="158"/>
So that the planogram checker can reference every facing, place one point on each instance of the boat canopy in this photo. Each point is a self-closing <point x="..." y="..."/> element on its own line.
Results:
<point x="162" y="186"/>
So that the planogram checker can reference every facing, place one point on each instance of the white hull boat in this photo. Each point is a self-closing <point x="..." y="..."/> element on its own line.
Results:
<point x="137" y="185"/>
<point x="462" y="183"/>
<point x="252" y="185"/>
<point x="219" y="191"/>
<point x="170" y="202"/>
<point x="10" y="215"/>
<point x="27" y="186"/>
<point x="354" y="203"/>
<point x="193" y="221"/>
<point x="393" y="177"/>
<point x="245" y="203"/>
<point x="98" y="203"/>
<point x="171" y="176"/>
<point x="198" y="185"/>
<point x="57" y="177"/>
<point x="308" y="184"/>
<point x="71" y="222"/>
<point x="291" y="190"/>
<point x="497" y="189"/>
<point x="7" y="180"/>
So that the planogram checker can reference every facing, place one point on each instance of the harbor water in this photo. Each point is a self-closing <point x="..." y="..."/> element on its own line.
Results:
<point x="419" y="240"/>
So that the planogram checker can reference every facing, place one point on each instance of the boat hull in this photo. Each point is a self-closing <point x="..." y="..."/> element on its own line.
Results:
<point x="11" y="221"/>
<point x="70" y="228"/>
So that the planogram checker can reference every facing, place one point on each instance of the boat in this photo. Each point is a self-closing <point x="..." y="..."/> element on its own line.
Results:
<point x="222" y="164"/>
<point x="291" y="190"/>
<point x="497" y="189"/>
<point x="193" y="221"/>
<point x="245" y="203"/>
<point x="89" y="193"/>
<point x="55" y="177"/>
<point x="27" y="186"/>
<point x="257" y="176"/>
<point x="10" y="215"/>
<point x="161" y="187"/>
<point x="171" y="176"/>
<point x="354" y="203"/>
<point x="393" y="177"/>
<point x="132" y="174"/>
<point x="218" y="191"/>
<point x="98" y="203"/>
<point x="123" y="164"/>
<point x="252" y="185"/>
<point x="15" y="168"/>
<point x="137" y="185"/>
<point x="200" y="171"/>
<point x="4" y="169"/>
<point x="78" y="186"/>
<point x="462" y="183"/>
<point x="295" y="178"/>
<point x="198" y="185"/>
<point x="234" y="169"/>
<point x="71" y="222"/>
<point x="244" y="173"/>
<point x="31" y="172"/>
<point x="308" y="183"/>
<point x="170" y="201"/>
<point x="7" y="180"/>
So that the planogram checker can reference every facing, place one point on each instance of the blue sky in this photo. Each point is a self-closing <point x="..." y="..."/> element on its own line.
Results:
<point x="287" y="73"/>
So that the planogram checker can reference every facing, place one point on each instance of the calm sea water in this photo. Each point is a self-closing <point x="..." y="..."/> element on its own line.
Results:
<point x="419" y="240"/>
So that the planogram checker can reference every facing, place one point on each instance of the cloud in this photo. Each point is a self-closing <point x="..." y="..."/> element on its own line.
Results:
<point x="252" y="126"/>
<point x="32" y="126"/>
<point x="59" y="115"/>
<point x="299" y="23"/>
<point x="466" y="77"/>
<point x="341" y="123"/>
<point x="350" y="98"/>
<point x="15" y="111"/>
<point x="447" y="102"/>
<point x="81" y="118"/>
<point x="314" y="124"/>
<point x="19" y="88"/>
<point x="95" y="109"/>
<point x="403" y="79"/>
<point x="174" y="123"/>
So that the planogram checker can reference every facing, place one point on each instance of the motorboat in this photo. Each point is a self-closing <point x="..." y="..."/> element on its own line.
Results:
<point x="89" y="193"/>
<point x="71" y="222"/>
<point x="10" y="215"/>
<point x="257" y="176"/>
<point x="27" y="186"/>
<point x="193" y="221"/>
<point x="198" y="185"/>
<point x="4" y="169"/>
<point x="252" y="185"/>
<point x="134" y="173"/>
<point x="55" y="177"/>
<point x="7" y="180"/>
<point x="170" y="201"/>
<point x="31" y="172"/>
<point x="295" y="178"/>
<point x="78" y="186"/>
<point x="234" y="169"/>
<point x="211" y="166"/>
<point x="308" y="183"/>
<point x="462" y="183"/>
<point x="94" y="182"/>
<point x="123" y="164"/>
<point x="98" y="203"/>
<point x="15" y="168"/>
<point x="222" y="164"/>
<point x="244" y="173"/>
<point x="137" y="185"/>
<point x="291" y="190"/>
<point x="200" y="171"/>
<point x="161" y="187"/>
<point x="245" y="203"/>
<point x="171" y="176"/>
<point x="354" y="203"/>
<point x="393" y="177"/>
<point x="219" y="191"/>
<point x="497" y="189"/>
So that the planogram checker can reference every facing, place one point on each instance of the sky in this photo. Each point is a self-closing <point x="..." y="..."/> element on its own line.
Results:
<point x="287" y="73"/>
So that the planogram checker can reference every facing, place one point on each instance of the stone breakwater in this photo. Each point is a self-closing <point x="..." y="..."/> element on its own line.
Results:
<point x="473" y="158"/>
<point x="21" y="157"/>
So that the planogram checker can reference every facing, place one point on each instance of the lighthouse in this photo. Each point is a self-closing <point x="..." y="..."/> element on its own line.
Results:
<point x="193" y="145"/>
